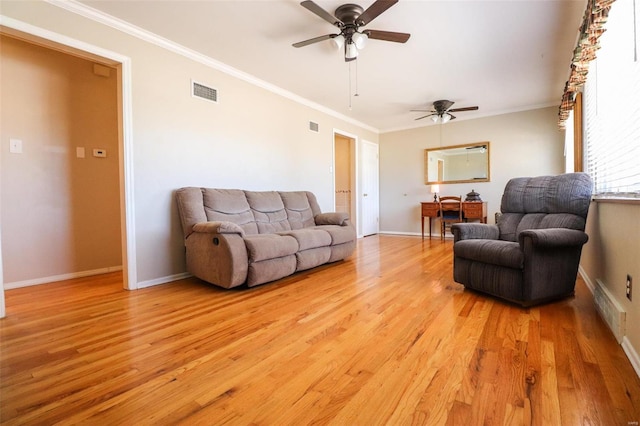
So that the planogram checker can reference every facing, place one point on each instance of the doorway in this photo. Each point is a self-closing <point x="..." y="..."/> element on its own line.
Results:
<point x="343" y="176"/>
<point x="122" y="67"/>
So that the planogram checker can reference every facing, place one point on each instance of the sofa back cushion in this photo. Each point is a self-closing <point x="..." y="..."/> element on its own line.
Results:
<point x="229" y="205"/>
<point x="301" y="207"/>
<point x="544" y="202"/>
<point x="268" y="211"/>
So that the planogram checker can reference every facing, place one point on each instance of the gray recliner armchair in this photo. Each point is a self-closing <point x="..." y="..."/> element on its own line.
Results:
<point x="532" y="254"/>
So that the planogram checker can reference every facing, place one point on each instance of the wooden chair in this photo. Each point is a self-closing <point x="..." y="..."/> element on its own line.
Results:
<point x="450" y="212"/>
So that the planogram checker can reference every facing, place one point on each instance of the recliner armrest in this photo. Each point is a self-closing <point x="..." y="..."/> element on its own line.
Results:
<point x="333" y="218"/>
<point x="218" y="227"/>
<point x="553" y="237"/>
<point x="468" y="231"/>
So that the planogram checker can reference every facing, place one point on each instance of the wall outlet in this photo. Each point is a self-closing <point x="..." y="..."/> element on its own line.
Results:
<point x="629" y="287"/>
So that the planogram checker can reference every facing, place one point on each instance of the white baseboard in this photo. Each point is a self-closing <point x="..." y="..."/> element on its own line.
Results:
<point x="631" y="354"/>
<point x="62" y="277"/>
<point x="586" y="279"/>
<point x="163" y="280"/>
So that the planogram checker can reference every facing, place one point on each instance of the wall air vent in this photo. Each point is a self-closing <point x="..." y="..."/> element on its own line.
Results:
<point x="314" y="127"/>
<point x="201" y="91"/>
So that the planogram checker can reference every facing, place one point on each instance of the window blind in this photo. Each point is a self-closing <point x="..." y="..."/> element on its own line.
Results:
<point x="612" y="107"/>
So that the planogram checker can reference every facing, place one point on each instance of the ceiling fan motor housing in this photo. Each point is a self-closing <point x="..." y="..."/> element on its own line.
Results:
<point x="348" y="13"/>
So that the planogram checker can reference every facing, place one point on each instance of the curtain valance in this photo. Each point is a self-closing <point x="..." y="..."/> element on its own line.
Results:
<point x="595" y="17"/>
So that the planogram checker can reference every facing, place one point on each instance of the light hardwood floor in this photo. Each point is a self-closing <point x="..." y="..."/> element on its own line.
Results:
<point x="385" y="337"/>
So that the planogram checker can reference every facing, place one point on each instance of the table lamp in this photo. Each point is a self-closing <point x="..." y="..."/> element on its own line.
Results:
<point x="434" y="190"/>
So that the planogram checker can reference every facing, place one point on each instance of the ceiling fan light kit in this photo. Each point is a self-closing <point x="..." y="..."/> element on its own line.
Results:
<point x="348" y="19"/>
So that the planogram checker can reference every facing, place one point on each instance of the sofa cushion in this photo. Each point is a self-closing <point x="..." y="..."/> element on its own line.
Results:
<point x="339" y="234"/>
<point x="269" y="246"/>
<point x="309" y="238"/>
<point x="494" y="252"/>
<point x="268" y="211"/>
<point x="229" y="205"/>
<point x="301" y="208"/>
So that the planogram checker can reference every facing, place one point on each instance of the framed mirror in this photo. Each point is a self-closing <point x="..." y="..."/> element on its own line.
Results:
<point x="457" y="164"/>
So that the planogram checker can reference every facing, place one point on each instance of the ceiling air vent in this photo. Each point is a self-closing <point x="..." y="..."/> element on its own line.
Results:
<point x="313" y="126"/>
<point x="201" y="91"/>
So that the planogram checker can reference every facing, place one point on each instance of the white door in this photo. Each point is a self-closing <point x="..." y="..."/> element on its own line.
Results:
<point x="369" y="194"/>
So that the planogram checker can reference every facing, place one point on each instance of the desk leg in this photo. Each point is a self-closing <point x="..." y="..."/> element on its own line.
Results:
<point x="429" y="227"/>
<point x="423" y="227"/>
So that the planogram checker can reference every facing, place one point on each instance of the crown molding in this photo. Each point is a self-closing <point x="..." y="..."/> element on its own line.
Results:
<point x="128" y="28"/>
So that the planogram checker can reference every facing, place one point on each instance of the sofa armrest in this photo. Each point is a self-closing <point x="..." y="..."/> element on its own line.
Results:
<point x="335" y="218"/>
<point x="468" y="231"/>
<point x="218" y="227"/>
<point x="553" y="237"/>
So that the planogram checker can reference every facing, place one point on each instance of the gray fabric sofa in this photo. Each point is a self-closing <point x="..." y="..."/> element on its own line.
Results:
<point x="234" y="237"/>
<point x="532" y="255"/>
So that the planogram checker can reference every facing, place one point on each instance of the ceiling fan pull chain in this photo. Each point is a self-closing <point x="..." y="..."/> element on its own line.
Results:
<point x="349" y="86"/>
<point x="356" y="94"/>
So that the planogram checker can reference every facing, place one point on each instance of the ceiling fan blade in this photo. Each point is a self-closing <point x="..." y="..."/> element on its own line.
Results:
<point x="388" y="36"/>
<point x="374" y="11"/>
<point x="453" y="117"/>
<point x="425" y="116"/>
<point x="473" y="108"/>
<point x="421" y="110"/>
<point x="312" y="7"/>
<point x="313" y="40"/>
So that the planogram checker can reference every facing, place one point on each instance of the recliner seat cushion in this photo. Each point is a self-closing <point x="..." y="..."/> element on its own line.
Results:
<point x="339" y="234"/>
<point x="309" y="238"/>
<point x="269" y="246"/>
<point x="494" y="252"/>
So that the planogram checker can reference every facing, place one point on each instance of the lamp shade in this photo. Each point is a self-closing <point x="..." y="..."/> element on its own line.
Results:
<point x="360" y="40"/>
<point x="435" y="189"/>
<point x="337" y="41"/>
<point x="351" y="51"/>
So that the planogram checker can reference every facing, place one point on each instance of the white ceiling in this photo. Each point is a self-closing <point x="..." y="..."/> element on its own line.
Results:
<point x="503" y="56"/>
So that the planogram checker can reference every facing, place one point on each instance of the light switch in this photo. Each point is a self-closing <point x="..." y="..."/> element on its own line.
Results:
<point x="80" y="151"/>
<point x="15" y="146"/>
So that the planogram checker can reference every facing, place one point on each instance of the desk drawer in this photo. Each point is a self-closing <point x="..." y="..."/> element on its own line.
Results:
<point x="430" y="210"/>
<point x="473" y="211"/>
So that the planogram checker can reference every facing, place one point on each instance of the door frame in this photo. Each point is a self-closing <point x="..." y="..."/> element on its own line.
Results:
<point x="56" y="41"/>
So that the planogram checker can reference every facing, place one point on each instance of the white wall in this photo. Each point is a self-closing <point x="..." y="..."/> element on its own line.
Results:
<point x="611" y="254"/>
<point x="521" y="144"/>
<point x="252" y="139"/>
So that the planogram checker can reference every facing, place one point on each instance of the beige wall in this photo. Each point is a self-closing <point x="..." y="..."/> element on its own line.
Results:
<point x="522" y="144"/>
<point x="60" y="214"/>
<point x="612" y="253"/>
<point x="253" y="138"/>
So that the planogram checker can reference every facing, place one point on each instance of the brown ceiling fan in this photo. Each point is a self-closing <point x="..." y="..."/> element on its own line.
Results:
<point x="349" y="18"/>
<point x="442" y="111"/>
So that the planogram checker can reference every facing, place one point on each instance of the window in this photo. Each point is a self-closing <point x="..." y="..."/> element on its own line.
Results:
<point x="612" y="107"/>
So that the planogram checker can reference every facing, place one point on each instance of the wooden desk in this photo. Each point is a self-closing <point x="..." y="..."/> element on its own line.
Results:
<point x="471" y="210"/>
